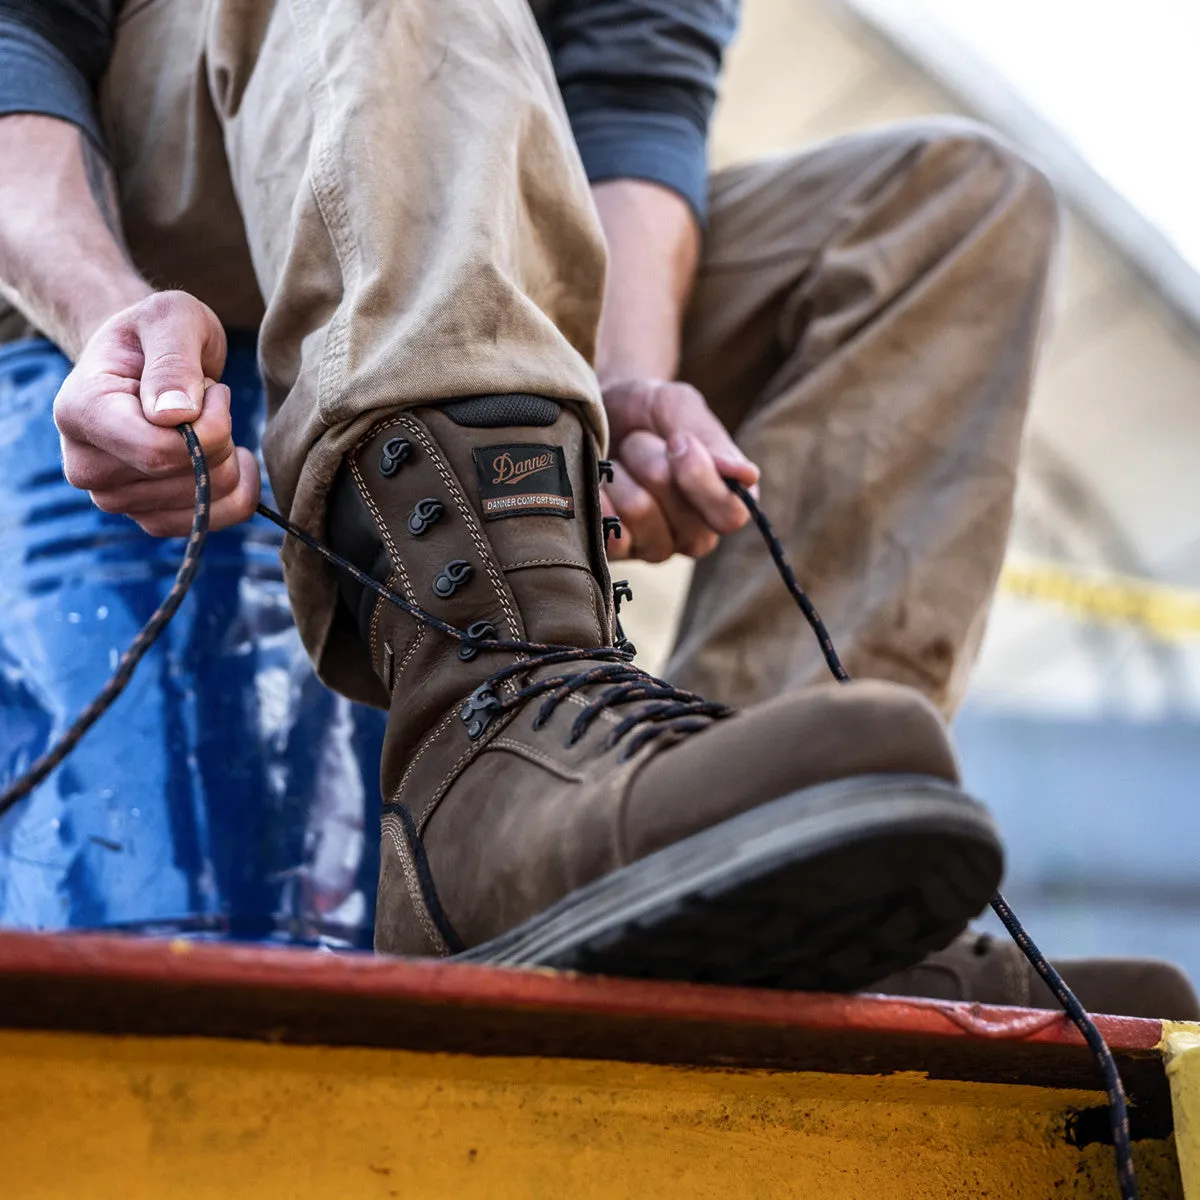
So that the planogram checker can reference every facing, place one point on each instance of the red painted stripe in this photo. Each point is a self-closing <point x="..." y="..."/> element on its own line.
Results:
<point x="29" y="959"/>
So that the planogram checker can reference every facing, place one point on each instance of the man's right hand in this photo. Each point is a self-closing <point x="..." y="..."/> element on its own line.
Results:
<point x="146" y="370"/>
<point x="670" y="455"/>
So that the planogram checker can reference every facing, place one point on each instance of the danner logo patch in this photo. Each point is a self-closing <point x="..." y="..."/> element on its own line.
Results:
<point x="523" y="480"/>
<point x="508" y="470"/>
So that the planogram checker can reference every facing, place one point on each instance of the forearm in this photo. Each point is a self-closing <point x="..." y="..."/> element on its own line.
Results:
<point x="63" y="261"/>
<point x="653" y="247"/>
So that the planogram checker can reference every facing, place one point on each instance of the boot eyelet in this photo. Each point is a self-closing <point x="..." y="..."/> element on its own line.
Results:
<point x="396" y="451"/>
<point x="612" y="527"/>
<point x="478" y="631"/>
<point x="605" y="470"/>
<point x="454" y="575"/>
<point x="426" y="514"/>
<point x="477" y="713"/>
<point x="622" y="591"/>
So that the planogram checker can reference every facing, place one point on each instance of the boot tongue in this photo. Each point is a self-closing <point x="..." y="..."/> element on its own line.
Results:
<point x="528" y="466"/>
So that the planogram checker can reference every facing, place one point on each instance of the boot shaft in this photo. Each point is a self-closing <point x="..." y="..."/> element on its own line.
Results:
<point x="484" y="512"/>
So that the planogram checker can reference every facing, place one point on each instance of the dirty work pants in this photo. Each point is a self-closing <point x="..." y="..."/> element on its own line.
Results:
<point x="391" y="193"/>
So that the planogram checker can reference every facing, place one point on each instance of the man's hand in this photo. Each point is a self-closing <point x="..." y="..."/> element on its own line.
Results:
<point x="144" y="361"/>
<point x="669" y="451"/>
<point x="147" y="369"/>
<point x="670" y="454"/>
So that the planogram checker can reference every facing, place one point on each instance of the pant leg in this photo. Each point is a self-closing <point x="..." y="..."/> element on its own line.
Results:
<point x="867" y="320"/>
<point x="401" y="179"/>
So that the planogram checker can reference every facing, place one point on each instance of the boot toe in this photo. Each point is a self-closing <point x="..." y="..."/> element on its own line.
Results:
<point x="775" y="749"/>
<point x="1128" y="987"/>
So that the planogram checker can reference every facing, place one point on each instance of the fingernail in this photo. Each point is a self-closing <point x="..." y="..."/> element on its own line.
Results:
<point x="677" y="445"/>
<point x="166" y="401"/>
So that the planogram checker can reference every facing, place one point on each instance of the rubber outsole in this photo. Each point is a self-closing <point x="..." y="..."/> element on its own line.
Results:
<point x="830" y="888"/>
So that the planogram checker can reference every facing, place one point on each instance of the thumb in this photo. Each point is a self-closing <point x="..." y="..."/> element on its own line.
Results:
<point x="183" y="346"/>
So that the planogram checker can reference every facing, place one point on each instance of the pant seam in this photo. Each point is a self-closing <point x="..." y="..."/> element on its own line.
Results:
<point x="325" y="187"/>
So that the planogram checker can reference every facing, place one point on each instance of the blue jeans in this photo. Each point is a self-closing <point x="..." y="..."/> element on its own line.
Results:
<point x="227" y="793"/>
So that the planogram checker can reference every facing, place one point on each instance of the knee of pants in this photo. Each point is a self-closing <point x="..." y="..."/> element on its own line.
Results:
<point x="1033" y="201"/>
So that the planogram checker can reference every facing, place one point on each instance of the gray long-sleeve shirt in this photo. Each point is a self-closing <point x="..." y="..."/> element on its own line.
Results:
<point x="638" y="76"/>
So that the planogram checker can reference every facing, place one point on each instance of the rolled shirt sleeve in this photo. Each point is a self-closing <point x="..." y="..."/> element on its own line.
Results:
<point x="639" y="79"/>
<point x="52" y="56"/>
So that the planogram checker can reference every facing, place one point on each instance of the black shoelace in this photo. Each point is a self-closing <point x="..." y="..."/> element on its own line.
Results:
<point x="665" y="710"/>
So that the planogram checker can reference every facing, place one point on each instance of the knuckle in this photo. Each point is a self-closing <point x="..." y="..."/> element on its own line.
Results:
<point x="660" y="407"/>
<point x="733" y="514"/>
<point x="656" y="473"/>
<point x="223" y="480"/>
<point x="684" y="393"/>
<point x="644" y="391"/>
<point x="159" y="308"/>
<point x="638" y="509"/>
<point x="670" y="399"/>
<point x="157" y="460"/>
<point x="106" y="502"/>
<point x="171" y="362"/>
<point x="68" y="405"/>
<point x="181" y="310"/>
<point x="643" y="456"/>
<point x="75" y="470"/>
<point x="86" y="474"/>
<point x="217" y="434"/>
<point x="231" y="514"/>
<point x="166" y="307"/>
<point x="249" y="488"/>
<point x="247" y="502"/>
<point x="160" y="525"/>
<point x="632" y="391"/>
<point x="90" y="413"/>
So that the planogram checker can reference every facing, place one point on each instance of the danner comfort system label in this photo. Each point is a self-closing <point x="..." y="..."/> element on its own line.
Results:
<point x="523" y="480"/>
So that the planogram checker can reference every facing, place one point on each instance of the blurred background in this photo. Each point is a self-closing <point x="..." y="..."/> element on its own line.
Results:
<point x="1082" y="727"/>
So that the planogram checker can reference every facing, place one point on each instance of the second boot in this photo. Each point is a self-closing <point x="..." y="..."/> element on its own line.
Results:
<point x="548" y="803"/>
<point x="979" y="968"/>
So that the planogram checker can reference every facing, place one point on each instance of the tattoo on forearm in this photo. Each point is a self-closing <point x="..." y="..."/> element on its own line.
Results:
<point x="103" y="188"/>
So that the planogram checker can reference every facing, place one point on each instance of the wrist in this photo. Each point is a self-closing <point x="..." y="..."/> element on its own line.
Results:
<point x="68" y="296"/>
<point x="632" y="368"/>
<point x="653" y="248"/>
<point x="639" y="338"/>
<point x="110" y="293"/>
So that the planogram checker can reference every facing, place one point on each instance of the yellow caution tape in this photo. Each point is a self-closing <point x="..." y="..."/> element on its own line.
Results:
<point x="1165" y="612"/>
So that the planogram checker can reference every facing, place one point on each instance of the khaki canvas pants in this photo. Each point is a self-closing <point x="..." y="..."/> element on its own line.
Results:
<point x="391" y="192"/>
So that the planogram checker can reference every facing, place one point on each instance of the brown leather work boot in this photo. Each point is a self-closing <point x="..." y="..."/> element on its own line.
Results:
<point x="988" y="970"/>
<point x="548" y="803"/>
